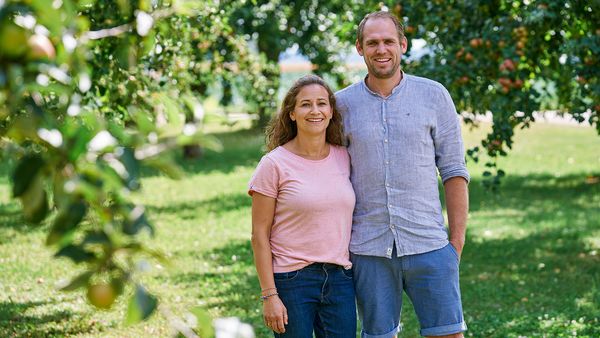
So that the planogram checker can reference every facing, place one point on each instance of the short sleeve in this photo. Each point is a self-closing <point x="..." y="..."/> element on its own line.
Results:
<point x="265" y="179"/>
<point x="345" y="158"/>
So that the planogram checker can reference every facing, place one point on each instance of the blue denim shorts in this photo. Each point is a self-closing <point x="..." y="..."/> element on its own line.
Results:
<point x="429" y="279"/>
<point x="319" y="298"/>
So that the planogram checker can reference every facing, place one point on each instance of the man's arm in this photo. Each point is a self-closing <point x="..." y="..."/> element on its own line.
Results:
<point x="457" y="206"/>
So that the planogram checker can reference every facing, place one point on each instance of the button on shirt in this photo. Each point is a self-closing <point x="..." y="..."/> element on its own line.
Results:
<point x="397" y="145"/>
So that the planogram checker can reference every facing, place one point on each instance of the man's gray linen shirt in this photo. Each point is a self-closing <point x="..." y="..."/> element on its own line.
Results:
<point x="397" y="145"/>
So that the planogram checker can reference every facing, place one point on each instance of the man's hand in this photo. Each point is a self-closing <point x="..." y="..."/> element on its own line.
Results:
<point x="458" y="246"/>
<point x="275" y="314"/>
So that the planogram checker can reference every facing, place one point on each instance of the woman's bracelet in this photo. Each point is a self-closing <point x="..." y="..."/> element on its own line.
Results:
<point x="263" y="290"/>
<point x="263" y="298"/>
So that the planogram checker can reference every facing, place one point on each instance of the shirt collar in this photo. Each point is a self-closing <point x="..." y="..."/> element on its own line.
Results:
<point x="394" y="91"/>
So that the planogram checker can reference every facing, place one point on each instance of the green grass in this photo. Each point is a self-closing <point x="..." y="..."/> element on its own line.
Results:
<point x="530" y="268"/>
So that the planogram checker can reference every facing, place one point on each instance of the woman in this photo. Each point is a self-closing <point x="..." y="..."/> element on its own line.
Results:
<point x="302" y="203"/>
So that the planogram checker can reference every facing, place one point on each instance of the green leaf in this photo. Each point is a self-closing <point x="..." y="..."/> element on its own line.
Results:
<point x="78" y="141"/>
<point x="118" y="284"/>
<point x="158" y="255"/>
<point x="126" y="52"/>
<point x="136" y="222"/>
<point x="25" y="173"/>
<point x="96" y="237"/>
<point x="124" y="7"/>
<point x="60" y="197"/>
<point x="141" y="119"/>
<point x="48" y="16"/>
<point x="132" y="166"/>
<point x="76" y="253"/>
<point x="148" y="43"/>
<point x="204" y="328"/>
<point x="207" y="141"/>
<point x="173" y="114"/>
<point x="166" y="166"/>
<point x="78" y="282"/>
<point x="141" y="306"/>
<point x="66" y="221"/>
<point x="35" y="201"/>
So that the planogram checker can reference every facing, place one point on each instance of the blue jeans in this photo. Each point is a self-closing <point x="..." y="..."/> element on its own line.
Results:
<point x="319" y="298"/>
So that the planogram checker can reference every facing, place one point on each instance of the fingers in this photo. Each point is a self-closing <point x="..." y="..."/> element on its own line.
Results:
<point x="276" y="325"/>
<point x="275" y="315"/>
<point x="279" y="325"/>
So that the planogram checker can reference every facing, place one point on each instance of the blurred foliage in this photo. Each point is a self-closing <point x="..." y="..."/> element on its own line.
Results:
<point x="91" y="91"/>
<point x="510" y="58"/>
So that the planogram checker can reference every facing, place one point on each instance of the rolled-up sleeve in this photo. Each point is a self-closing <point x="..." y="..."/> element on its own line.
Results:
<point x="449" y="147"/>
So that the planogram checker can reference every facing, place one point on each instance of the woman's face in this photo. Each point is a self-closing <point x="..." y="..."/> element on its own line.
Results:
<point x="312" y="111"/>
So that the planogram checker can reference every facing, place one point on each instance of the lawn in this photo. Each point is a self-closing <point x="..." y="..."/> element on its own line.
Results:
<point x="530" y="268"/>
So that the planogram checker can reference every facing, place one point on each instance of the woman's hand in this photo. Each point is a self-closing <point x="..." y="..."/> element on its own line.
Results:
<point x="275" y="314"/>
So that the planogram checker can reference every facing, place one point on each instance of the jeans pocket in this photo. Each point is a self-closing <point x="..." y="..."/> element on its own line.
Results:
<point x="347" y="273"/>
<point x="285" y="276"/>
<point x="454" y="252"/>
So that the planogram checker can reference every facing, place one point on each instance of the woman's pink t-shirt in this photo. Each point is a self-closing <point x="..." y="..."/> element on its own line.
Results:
<point x="313" y="213"/>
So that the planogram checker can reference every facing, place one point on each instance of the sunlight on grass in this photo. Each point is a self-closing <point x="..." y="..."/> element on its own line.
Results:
<point x="530" y="266"/>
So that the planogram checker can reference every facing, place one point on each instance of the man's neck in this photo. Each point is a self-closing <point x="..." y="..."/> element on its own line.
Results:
<point x="384" y="87"/>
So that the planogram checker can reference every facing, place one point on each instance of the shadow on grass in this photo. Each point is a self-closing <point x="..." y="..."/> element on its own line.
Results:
<point x="508" y="285"/>
<point x="217" y="206"/>
<point x="230" y="285"/>
<point x="531" y="285"/>
<point x="240" y="148"/>
<point x="11" y="221"/>
<point x="537" y="282"/>
<point x="538" y="190"/>
<point x="15" y="323"/>
<point x="10" y="216"/>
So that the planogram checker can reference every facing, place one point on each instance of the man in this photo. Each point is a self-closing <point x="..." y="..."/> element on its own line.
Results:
<point x="400" y="129"/>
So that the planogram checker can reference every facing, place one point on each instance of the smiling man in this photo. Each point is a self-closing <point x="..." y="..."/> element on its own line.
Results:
<point x="402" y="130"/>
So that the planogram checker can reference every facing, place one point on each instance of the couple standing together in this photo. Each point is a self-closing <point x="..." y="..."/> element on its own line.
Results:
<point x="337" y="227"/>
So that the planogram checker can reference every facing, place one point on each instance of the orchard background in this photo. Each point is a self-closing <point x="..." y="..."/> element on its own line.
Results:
<point x="98" y="96"/>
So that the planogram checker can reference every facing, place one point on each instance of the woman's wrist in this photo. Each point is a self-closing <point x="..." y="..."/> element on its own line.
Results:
<point x="268" y="290"/>
<point x="269" y="295"/>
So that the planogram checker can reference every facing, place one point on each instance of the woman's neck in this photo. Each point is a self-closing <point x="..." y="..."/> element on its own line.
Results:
<point x="309" y="147"/>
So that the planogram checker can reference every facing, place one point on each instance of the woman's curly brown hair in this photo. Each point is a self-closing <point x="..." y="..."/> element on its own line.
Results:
<point x="282" y="129"/>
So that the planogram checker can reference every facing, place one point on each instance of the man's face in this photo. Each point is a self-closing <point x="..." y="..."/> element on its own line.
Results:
<point x="381" y="48"/>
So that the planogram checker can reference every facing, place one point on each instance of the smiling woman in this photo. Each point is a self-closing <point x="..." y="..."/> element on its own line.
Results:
<point x="283" y="129"/>
<point x="302" y="203"/>
<point x="312" y="113"/>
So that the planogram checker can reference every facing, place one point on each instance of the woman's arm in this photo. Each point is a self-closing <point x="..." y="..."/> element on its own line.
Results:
<point x="263" y="211"/>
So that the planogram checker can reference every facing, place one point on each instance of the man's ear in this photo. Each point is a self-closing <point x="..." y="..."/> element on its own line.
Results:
<point x="404" y="44"/>
<point x="359" y="48"/>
